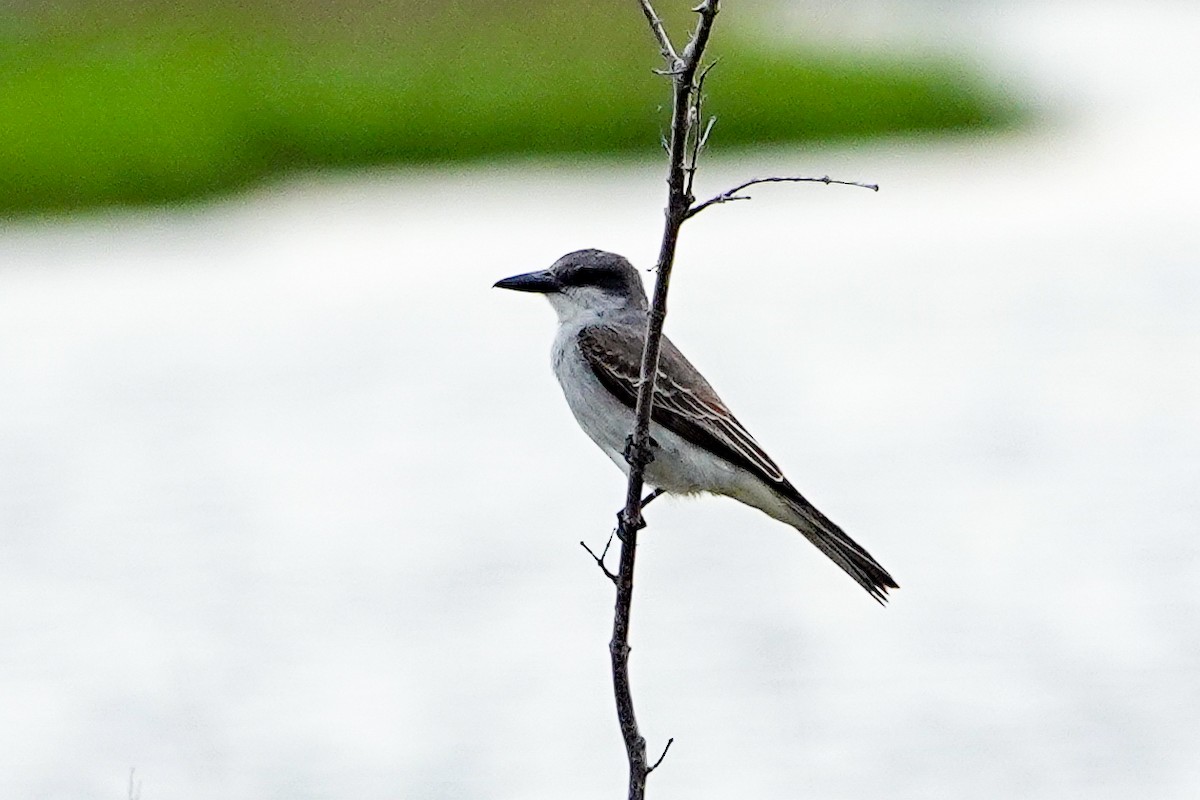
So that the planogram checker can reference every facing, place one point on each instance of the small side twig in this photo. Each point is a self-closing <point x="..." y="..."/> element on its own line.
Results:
<point x="599" y="559"/>
<point x="654" y="766"/>
<point x="698" y="129"/>
<point x="729" y="195"/>
<point x="648" y="499"/>
<point x="660" y="33"/>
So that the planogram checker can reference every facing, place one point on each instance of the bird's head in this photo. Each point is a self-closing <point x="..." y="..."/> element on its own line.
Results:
<point x="585" y="282"/>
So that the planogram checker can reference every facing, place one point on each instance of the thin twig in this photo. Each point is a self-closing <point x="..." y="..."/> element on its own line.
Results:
<point x="660" y="33"/>
<point x="650" y="498"/>
<point x="695" y="120"/>
<point x="707" y="132"/>
<point x="599" y="559"/>
<point x="729" y="195"/>
<point x="654" y="766"/>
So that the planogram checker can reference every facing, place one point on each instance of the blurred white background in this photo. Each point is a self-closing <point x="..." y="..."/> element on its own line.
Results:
<point x="290" y="502"/>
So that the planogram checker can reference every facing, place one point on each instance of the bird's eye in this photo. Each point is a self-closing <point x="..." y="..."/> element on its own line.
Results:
<point x="600" y="277"/>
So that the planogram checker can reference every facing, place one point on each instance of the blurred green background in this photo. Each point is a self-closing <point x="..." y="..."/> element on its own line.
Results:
<point x="155" y="102"/>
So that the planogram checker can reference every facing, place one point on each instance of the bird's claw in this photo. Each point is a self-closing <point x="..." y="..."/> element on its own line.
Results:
<point x="630" y="451"/>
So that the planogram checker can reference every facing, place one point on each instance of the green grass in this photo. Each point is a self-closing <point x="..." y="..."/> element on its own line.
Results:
<point x="168" y="105"/>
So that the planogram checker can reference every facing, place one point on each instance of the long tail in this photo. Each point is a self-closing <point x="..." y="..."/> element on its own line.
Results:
<point x="844" y="551"/>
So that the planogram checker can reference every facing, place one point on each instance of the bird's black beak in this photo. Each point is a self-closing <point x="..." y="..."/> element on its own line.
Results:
<point x="542" y="282"/>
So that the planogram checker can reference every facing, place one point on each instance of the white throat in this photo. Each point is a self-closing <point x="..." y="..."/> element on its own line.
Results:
<point x="582" y="305"/>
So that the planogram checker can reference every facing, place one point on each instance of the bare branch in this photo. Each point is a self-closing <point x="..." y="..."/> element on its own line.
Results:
<point x="654" y="766"/>
<point x="660" y="33"/>
<point x="638" y="455"/>
<point x="685" y="141"/>
<point x="678" y="203"/>
<point x="729" y="195"/>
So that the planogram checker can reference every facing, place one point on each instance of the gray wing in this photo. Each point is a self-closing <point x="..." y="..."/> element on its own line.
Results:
<point x="684" y="403"/>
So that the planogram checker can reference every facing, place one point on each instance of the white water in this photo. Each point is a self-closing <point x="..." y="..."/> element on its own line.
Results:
<point x="289" y="500"/>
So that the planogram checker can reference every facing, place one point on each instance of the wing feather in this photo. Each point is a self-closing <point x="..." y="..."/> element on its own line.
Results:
<point x="684" y="403"/>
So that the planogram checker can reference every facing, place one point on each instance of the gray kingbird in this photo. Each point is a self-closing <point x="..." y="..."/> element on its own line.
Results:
<point x="697" y="444"/>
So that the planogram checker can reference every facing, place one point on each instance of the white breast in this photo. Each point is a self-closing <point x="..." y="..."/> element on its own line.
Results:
<point x="606" y="420"/>
<point x="678" y="466"/>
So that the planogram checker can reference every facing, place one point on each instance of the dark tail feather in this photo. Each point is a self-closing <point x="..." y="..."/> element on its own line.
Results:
<point x="844" y="551"/>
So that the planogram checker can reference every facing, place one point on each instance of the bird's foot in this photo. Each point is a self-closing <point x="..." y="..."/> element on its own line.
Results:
<point x="632" y="454"/>
<point x="626" y="526"/>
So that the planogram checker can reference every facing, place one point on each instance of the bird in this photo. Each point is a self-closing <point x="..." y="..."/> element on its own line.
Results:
<point x="697" y="444"/>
